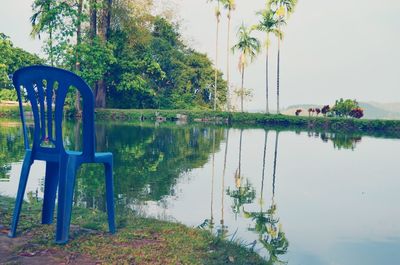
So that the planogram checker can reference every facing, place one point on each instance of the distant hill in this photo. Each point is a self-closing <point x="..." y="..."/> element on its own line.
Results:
<point x="372" y="110"/>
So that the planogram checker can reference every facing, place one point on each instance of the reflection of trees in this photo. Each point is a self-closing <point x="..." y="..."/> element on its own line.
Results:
<point x="147" y="161"/>
<point x="244" y="193"/>
<point x="266" y="223"/>
<point x="11" y="147"/>
<point x="340" y="141"/>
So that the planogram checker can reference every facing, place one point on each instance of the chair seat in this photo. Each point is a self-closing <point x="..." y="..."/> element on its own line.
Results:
<point x="99" y="157"/>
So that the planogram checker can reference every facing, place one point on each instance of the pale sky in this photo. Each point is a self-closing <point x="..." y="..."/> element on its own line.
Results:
<point x="332" y="49"/>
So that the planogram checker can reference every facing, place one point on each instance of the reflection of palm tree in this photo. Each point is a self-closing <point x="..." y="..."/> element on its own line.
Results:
<point x="275" y="156"/>
<point x="244" y="193"/>
<point x="267" y="226"/>
<point x="223" y="229"/>
<point x="211" y="222"/>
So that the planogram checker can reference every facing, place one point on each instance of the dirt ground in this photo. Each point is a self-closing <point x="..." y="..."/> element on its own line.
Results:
<point x="12" y="252"/>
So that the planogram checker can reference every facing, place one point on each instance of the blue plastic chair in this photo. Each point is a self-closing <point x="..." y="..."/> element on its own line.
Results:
<point x="45" y="85"/>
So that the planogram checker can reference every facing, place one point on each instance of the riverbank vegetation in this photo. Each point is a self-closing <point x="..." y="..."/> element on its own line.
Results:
<point x="138" y="241"/>
<point x="391" y="128"/>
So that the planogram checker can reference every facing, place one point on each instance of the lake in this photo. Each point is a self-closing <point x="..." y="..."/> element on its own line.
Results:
<point x="293" y="196"/>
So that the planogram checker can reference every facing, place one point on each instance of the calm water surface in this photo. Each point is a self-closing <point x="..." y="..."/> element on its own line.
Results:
<point x="296" y="197"/>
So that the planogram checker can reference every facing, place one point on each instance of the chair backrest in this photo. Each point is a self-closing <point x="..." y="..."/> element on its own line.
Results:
<point x="46" y="88"/>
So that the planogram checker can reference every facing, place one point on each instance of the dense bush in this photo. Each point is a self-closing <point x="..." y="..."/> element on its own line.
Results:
<point x="8" y="94"/>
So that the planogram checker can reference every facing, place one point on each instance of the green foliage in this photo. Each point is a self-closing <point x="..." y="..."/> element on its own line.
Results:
<point x="158" y="71"/>
<point x="96" y="59"/>
<point x="248" y="46"/>
<point x="57" y="19"/>
<point x="342" y="108"/>
<point x="11" y="59"/>
<point x="8" y="94"/>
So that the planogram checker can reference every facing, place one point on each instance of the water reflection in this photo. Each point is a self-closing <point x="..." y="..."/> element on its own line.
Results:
<point x="243" y="192"/>
<point x="265" y="222"/>
<point x="339" y="140"/>
<point x="249" y="183"/>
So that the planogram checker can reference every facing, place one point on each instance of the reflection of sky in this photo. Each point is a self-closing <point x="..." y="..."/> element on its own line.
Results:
<point x="335" y="206"/>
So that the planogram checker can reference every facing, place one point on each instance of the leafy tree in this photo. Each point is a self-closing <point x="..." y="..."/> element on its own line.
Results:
<point x="11" y="59"/>
<point x="343" y="107"/>
<point x="129" y="56"/>
<point x="249" y="47"/>
<point x="56" y="18"/>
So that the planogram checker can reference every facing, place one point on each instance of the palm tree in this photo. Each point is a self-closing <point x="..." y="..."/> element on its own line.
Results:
<point x="217" y="16"/>
<point x="249" y="47"/>
<point x="283" y="9"/>
<point x="269" y="24"/>
<point x="230" y="6"/>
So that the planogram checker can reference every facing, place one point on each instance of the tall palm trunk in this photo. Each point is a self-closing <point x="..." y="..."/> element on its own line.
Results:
<point x="278" y="75"/>
<point x="242" y="89"/>
<point x="266" y="78"/>
<point x="216" y="59"/>
<point x="228" y="70"/>
<point x="77" y="60"/>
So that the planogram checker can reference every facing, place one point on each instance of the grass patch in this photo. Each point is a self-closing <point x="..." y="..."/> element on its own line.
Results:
<point x="138" y="241"/>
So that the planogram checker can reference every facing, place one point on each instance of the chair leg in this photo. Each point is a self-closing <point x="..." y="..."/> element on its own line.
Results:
<point x="50" y="190"/>
<point x="26" y="166"/>
<point x="65" y="199"/>
<point x="110" y="196"/>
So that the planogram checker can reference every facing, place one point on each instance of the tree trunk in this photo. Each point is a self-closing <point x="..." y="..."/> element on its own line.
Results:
<point x="77" y="60"/>
<point x="266" y="81"/>
<point x="228" y="73"/>
<point x="242" y="90"/>
<point x="51" y="45"/>
<point x="277" y="80"/>
<point x="104" y="32"/>
<point x="216" y="62"/>
<point x="93" y="19"/>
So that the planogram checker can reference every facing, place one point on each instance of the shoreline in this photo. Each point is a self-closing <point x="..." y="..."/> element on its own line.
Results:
<point x="138" y="240"/>
<point x="389" y="128"/>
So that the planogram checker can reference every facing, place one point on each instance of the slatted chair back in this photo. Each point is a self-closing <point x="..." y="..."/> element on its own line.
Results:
<point x="46" y="89"/>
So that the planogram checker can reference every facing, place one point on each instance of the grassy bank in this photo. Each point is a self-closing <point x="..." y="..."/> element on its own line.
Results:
<point x="386" y="127"/>
<point x="138" y="241"/>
